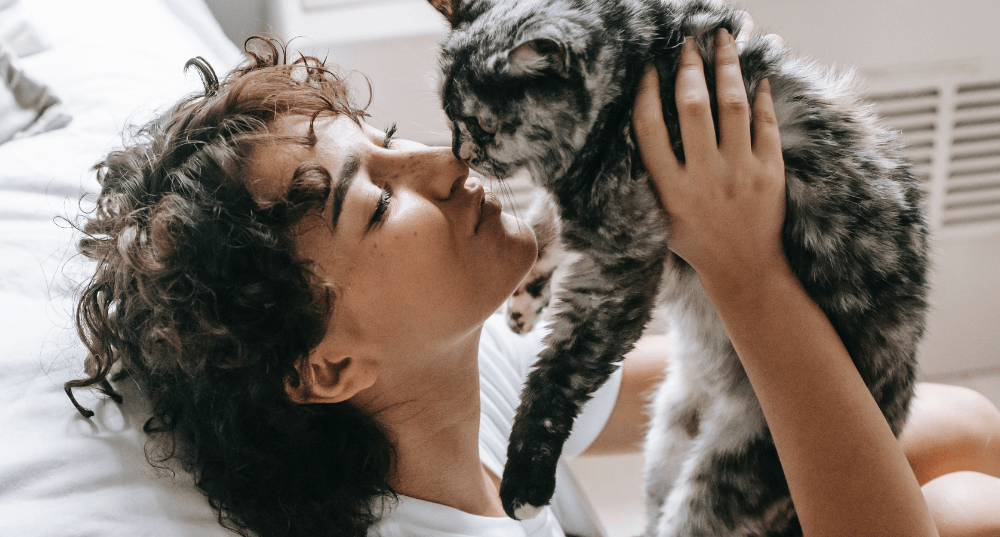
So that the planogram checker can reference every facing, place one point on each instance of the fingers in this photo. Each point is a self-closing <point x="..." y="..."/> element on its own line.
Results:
<point x="694" y="110"/>
<point x="650" y="130"/>
<point x="767" y="142"/>
<point x="734" y="110"/>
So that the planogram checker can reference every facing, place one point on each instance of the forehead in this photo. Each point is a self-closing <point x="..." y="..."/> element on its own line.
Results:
<point x="273" y="162"/>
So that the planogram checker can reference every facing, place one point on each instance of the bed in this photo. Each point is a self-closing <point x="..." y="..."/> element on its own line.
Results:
<point x="109" y="63"/>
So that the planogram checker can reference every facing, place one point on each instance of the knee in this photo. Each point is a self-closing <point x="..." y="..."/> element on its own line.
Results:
<point x="978" y="421"/>
<point x="985" y="420"/>
<point x="952" y="429"/>
<point x="963" y="504"/>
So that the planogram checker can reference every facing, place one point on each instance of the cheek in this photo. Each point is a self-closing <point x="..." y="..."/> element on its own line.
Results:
<point x="506" y="256"/>
<point x="417" y="270"/>
<point x="523" y="249"/>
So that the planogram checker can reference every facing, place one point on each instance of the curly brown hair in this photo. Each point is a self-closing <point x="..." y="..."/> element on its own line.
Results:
<point x="199" y="296"/>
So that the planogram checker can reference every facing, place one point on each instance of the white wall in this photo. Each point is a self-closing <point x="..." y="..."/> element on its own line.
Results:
<point x="240" y="19"/>
<point x="887" y="35"/>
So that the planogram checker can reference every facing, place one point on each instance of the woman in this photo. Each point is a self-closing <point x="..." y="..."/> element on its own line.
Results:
<point x="302" y="297"/>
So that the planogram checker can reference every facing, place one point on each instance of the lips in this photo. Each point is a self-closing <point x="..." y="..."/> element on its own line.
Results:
<point x="489" y="207"/>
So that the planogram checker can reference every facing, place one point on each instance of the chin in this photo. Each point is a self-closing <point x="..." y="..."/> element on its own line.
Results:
<point x="522" y="250"/>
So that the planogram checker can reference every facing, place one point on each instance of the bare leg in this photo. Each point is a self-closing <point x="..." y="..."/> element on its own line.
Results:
<point x="965" y="504"/>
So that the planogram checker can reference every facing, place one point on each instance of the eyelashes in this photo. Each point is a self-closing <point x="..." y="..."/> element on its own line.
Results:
<point x="389" y="133"/>
<point x="383" y="201"/>
<point x="381" y="207"/>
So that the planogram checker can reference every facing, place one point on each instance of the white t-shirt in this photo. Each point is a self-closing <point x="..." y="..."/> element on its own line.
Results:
<point x="504" y="362"/>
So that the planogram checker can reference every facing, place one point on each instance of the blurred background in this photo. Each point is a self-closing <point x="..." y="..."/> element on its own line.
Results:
<point x="932" y="69"/>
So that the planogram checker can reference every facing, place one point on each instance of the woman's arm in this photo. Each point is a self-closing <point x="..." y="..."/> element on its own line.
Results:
<point x="845" y="469"/>
<point x="643" y="370"/>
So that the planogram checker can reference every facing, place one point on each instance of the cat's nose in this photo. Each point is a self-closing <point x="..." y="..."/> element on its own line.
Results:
<point x="466" y="151"/>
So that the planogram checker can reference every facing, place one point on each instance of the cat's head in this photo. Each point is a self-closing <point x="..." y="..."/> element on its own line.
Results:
<point x="518" y="83"/>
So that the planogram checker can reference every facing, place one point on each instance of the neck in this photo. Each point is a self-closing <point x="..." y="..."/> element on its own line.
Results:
<point x="432" y="419"/>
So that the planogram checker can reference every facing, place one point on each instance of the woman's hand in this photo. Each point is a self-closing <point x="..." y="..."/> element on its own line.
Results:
<point x="726" y="203"/>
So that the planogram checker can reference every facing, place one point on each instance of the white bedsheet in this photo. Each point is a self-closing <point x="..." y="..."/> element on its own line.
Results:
<point x="111" y="62"/>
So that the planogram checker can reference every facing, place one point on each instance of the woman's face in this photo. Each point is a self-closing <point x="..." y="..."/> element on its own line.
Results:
<point x="418" y="253"/>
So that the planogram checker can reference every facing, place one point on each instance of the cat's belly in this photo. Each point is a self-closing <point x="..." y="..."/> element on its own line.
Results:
<point x="705" y="380"/>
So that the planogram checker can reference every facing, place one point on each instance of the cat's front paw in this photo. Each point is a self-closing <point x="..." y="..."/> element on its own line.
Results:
<point x="529" y="479"/>
<point x="525" y="306"/>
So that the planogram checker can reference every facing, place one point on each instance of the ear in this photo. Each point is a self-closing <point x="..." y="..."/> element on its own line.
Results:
<point x="537" y="55"/>
<point x="326" y="380"/>
<point x="448" y="8"/>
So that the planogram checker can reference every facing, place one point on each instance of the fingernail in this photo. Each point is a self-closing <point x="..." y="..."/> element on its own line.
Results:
<point x="723" y="35"/>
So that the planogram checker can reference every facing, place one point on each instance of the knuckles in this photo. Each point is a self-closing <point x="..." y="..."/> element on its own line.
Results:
<point x="733" y="104"/>
<point x="693" y="104"/>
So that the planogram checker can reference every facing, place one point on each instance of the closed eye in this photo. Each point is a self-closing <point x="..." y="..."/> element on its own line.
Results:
<point x="383" y="202"/>
<point x="387" y="141"/>
<point x="381" y="207"/>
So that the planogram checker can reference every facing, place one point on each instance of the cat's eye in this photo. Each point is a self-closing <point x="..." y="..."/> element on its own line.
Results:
<point x="489" y="125"/>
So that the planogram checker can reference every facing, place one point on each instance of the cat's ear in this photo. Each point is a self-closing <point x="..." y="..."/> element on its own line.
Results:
<point x="447" y="8"/>
<point x="538" y="55"/>
<point x="325" y="379"/>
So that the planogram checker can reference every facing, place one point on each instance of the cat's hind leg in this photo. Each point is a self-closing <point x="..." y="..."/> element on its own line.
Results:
<point x="731" y="483"/>
<point x="676" y="413"/>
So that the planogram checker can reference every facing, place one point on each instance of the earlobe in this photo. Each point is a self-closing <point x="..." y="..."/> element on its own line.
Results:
<point x="324" y="380"/>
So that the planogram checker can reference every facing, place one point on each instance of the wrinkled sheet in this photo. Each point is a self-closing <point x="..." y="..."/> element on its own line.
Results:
<point x="111" y="62"/>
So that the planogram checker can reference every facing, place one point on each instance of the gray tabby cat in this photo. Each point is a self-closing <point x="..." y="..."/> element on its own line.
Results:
<point x="548" y="85"/>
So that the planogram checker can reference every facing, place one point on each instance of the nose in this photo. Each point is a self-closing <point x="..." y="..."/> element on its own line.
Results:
<point x="432" y="171"/>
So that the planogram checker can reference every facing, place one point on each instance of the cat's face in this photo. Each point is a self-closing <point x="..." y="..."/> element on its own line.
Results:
<point x="514" y="86"/>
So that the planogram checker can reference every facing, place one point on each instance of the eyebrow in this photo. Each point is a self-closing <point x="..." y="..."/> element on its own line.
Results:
<point x="345" y="177"/>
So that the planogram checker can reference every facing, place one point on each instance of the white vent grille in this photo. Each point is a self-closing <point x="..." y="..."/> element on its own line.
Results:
<point x="973" y="189"/>
<point x="952" y="135"/>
